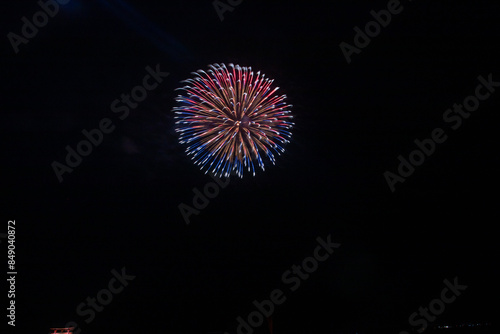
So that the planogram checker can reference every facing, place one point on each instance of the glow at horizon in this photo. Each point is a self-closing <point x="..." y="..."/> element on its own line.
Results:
<point x="230" y="118"/>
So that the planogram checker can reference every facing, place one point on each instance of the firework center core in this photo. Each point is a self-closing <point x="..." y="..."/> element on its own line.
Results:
<point x="244" y="122"/>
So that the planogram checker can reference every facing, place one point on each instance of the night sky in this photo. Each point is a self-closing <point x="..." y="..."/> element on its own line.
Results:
<point x="118" y="210"/>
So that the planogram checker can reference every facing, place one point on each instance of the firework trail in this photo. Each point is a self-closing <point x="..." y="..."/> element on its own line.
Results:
<point x="229" y="118"/>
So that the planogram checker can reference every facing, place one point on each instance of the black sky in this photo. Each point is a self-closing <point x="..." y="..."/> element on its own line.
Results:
<point x="119" y="208"/>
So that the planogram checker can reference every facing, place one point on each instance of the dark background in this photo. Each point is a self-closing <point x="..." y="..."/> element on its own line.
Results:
<point x="119" y="208"/>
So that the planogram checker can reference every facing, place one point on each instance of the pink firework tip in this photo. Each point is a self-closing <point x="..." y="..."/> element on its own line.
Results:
<point x="230" y="117"/>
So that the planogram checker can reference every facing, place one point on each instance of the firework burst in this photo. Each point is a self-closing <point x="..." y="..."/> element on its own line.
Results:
<point x="230" y="118"/>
